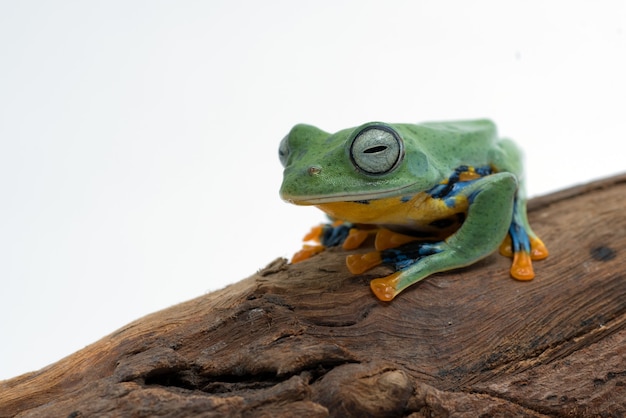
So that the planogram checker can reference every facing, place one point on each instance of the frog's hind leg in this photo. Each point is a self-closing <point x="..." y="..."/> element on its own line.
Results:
<point x="522" y="244"/>
<point x="490" y="201"/>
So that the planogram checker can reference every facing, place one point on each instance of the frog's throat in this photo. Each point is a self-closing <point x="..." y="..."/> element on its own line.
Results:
<point x="346" y="196"/>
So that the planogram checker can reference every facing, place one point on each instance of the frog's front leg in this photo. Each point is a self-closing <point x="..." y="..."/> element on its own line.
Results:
<point x="489" y="215"/>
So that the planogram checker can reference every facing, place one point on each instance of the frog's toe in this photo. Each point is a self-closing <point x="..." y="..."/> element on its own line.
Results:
<point x="386" y="239"/>
<point x="522" y="268"/>
<point x="506" y="248"/>
<point x="385" y="288"/>
<point x="355" y="238"/>
<point x="538" y="250"/>
<point x="314" y="234"/>
<point x="360" y="263"/>
<point x="307" y="252"/>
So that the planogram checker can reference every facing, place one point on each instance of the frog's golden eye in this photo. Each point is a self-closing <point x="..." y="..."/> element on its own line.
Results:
<point x="376" y="149"/>
<point x="283" y="151"/>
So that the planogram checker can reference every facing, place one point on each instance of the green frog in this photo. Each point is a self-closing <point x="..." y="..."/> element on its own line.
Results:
<point x="436" y="196"/>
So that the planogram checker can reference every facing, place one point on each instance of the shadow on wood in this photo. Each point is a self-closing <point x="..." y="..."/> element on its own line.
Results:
<point x="311" y="340"/>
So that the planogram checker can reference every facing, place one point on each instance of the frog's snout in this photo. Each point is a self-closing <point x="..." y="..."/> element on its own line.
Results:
<point x="314" y="170"/>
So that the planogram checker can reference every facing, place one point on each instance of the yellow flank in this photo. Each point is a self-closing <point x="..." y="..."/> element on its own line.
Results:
<point x="417" y="213"/>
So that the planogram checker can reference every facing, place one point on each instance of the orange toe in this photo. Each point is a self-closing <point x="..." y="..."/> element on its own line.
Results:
<point x="506" y="248"/>
<point x="360" y="263"/>
<point x="522" y="267"/>
<point x="314" y="234"/>
<point x="538" y="250"/>
<point x="388" y="239"/>
<point x="385" y="288"/>
<point x="306" y="252"/>
<point x="355" y="238"/>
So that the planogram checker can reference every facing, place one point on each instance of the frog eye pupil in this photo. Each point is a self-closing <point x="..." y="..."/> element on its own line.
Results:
<point x="376" y="150"/>
<point x="373" y="150"/>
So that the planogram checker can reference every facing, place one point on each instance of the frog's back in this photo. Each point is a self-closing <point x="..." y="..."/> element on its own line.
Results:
<point x="455" y="142"/>
<point x="463" y="129"/>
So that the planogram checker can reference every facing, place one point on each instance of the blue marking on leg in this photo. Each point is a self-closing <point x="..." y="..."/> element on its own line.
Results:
<point x="450" y="202"/>
<point x="483" y="171"/>
<point x="519" y="236"/>
<point x="438" y="191"/>
<point x="408" y="254"/>
<point x="334" y="235"/>
<point x="454" y="184"/>
<point x="472" y="196"/>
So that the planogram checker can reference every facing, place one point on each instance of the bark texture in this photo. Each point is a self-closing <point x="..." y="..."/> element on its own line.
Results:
<point x="310" y="340"/>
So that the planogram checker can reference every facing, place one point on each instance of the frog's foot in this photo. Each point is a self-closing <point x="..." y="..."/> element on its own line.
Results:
<point x="409" y="270"/>
<point x="522" y="267"/>
<point x="306" y="252"/>
<point x="355" y="238"/>
<point x="321" y="237"/>
<point x="385" y="288"/>
<point x="506" y="248"/>
<point x="360" y="263"/>
<point x="314" y="234"/>
<point x="386" y="239"/>
<point x="309" y="250"/>
<point x="538" y="250"/>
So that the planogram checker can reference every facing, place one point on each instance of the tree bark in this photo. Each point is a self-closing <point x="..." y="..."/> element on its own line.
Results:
<point x="310" y="339"/>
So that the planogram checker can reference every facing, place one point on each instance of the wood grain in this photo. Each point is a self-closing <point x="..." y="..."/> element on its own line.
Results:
<point x="311" y="340"/>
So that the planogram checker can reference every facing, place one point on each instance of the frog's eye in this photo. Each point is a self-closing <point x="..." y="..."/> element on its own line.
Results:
<point x="283" y="151"/>
<point x="377" y="149"/>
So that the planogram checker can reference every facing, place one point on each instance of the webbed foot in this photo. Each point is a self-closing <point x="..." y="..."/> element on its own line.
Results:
<point x="355" y="238"/>
<point x="385" y="288"/>
<point x="306" y="252"/>
<point x="360" y="263"/>
<point x="522" y="266"/>
<point x="330" y="235"/>
<point x="538" y="250"/>
<point x="309" y="250"/>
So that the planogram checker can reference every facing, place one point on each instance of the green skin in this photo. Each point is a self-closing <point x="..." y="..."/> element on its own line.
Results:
<point x="320" y="168"/>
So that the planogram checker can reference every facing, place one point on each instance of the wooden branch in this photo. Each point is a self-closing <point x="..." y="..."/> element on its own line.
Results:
<point x="311" y="340"/>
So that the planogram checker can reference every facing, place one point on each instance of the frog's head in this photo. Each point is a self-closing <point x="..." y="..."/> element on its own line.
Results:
<point x="371" y="161"/>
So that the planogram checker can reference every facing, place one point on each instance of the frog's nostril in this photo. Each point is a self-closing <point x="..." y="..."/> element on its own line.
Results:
<point x="314" y="170"/>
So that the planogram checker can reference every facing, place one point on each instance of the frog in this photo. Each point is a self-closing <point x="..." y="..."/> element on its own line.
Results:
<point x="433" y="196"/>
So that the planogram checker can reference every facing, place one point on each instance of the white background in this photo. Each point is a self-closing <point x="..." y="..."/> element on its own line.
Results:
<point x="138" y="139"/>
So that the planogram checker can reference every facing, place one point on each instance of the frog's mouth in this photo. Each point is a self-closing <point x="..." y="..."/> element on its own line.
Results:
<point x="347" y="196"/>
